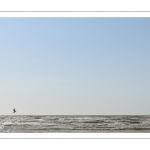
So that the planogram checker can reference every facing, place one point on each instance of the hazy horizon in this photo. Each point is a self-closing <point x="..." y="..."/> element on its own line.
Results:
<point x="75" y="66"/>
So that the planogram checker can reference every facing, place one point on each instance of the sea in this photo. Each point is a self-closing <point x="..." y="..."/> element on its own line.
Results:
<point x="74" y="124"/>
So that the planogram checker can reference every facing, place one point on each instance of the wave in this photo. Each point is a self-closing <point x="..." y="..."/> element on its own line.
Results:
<point x="73" y="123"/>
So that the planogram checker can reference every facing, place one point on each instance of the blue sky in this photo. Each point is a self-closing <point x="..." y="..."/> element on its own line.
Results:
<point x="75" y="66"/>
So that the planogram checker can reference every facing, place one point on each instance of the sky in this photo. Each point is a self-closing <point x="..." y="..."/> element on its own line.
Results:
<point x="75" y="66"/>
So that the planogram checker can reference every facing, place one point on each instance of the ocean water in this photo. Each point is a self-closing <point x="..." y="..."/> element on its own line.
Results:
<point x="74" y="124"/>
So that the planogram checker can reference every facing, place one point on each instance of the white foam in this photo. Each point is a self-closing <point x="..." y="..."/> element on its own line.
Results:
<point x="7" y="123"/>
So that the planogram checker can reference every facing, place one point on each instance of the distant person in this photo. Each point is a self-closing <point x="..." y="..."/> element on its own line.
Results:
<point x="14" y="110"/>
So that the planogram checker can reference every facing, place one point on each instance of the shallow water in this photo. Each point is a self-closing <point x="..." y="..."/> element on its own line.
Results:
<point x="74" y="124"/>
